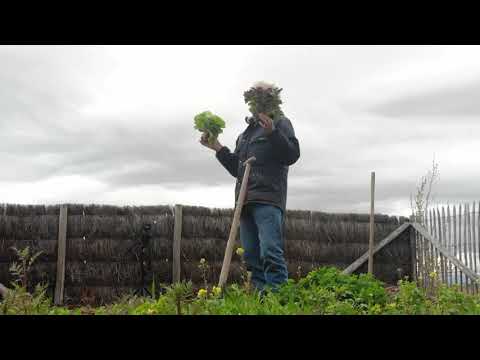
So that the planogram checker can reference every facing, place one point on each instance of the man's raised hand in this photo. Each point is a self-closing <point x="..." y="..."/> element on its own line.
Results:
<point x="267" y="123"/>
<point x="204" y="141"/>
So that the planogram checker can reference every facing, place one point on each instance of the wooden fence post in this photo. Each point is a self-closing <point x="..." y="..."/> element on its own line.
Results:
<point x="372" y="222"/>
<point x="61" y="252"/>
<point x="413" y="252"/>
<point x="177" y="238"/>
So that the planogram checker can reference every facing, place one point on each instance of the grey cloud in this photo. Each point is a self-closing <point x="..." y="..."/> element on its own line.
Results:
<point x="134" y="156"/>
<point x="458" y="190"/>
<point x="40" y="136"/>
<point x="163" y="154"/>
<point x="451" y="101"/>
<point x="114" y="154"/>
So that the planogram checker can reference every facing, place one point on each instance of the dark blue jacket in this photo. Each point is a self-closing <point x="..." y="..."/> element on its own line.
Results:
<point x="267" y="182"/>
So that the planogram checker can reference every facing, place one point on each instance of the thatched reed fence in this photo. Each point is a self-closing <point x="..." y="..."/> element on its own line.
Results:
<point x="103" y="255"/>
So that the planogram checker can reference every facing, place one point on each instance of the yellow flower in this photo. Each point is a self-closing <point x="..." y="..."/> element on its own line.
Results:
<point x="240" y="251"/>
<point x="202" y="293"/>
<point x="216" y="290"/>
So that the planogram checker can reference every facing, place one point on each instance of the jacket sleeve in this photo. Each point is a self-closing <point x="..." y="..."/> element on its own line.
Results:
<point x="228" y="159"/>
<point x="284" y="141"/>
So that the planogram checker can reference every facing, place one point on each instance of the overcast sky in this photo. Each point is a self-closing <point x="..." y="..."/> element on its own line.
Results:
<point x="114" y="124"/>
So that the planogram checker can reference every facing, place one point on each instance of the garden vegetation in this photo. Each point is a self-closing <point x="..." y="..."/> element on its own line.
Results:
<point x="324" y="291"/>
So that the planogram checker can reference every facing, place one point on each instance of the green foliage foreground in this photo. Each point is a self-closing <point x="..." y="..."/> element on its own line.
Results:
<point x="325" y="291"/>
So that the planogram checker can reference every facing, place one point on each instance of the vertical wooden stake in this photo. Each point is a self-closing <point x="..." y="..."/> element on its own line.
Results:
<point x="442" y="242"/>
<point x="372" y="223"/>
<point x="413" y="252"/>
<point x="465" y="239"/>
<point x="474" y="245"/>
<point x="177" y="238"/>
<point x="469" y="236"/>
<point x="449" y="244"/>
<point x="61" y="252"/>
<point x="455" y="241"/>
<point x="478" y="231"/>
<point x="460" y="242"/>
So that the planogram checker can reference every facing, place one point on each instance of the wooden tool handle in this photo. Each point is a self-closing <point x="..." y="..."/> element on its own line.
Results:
<point x="236" y="221"/>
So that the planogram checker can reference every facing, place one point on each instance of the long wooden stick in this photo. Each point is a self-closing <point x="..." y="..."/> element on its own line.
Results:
<point x="236" y="221"/>
<point x="372" y="228"/>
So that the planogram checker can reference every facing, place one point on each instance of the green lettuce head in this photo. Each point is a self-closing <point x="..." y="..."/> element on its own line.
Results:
<point x="209" y="123"/>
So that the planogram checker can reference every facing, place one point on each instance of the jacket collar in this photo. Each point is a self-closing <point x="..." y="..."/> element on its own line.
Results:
<point x="251" y="120"/>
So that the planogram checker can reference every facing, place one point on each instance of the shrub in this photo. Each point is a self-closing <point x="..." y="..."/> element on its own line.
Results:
<point x="363" y="290"/>
<point x="325" y="291"/>
<point x="450" y="301"/>
<point x="410" y="300"/>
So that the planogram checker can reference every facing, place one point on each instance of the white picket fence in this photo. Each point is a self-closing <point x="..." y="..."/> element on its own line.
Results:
<point x="457" y="228"/>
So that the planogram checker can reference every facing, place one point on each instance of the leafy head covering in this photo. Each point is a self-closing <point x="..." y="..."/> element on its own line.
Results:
<point x="264" y="97"/>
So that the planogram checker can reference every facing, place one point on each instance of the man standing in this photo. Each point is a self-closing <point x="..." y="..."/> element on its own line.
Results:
<point x="275" y="147"/>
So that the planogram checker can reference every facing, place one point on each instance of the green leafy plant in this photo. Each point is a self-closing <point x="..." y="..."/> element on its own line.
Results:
<point x="209" y="123"/>
<point x="324" y="291"/>
<point x="245" y="275"/>
<point x="204" y="268"/>
<point x="410" y="300"/>
<point x="21" y="269"/>
<point x="125" y="306"/>
<point x="18" y="299"/>
<point x="363" y="289"/>
<point x="264" y="100"/>
<point x="180" y="293"/>
<point x="451" y="301"/>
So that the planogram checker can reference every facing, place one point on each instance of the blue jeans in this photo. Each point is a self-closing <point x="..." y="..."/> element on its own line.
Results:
<point x="261" y="235"/>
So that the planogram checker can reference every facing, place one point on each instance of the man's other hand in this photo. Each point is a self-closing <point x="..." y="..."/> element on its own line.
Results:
<point x="267" y="123"/>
